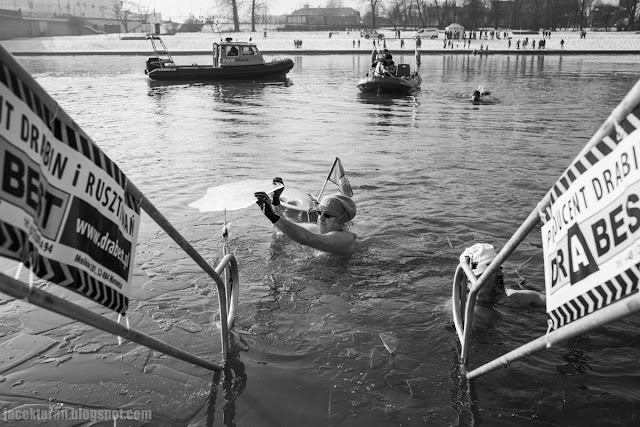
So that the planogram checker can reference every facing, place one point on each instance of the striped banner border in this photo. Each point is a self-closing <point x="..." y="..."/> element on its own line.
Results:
<point x="76" y="139"/>
<point x="14" y="243"/>
<point x="593" y="156"/>
<point x="623" y="285"/>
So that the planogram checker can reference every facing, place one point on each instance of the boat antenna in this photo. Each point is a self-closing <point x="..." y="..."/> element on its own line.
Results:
<point x="218" y="29"/>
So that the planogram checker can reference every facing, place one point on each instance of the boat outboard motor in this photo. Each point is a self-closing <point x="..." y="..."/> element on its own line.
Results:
<point x="152" y="64"/>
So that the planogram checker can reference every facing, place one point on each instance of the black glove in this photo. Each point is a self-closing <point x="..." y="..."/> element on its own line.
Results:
<point x="278" y="192"/>
<point x="265" y="205"/>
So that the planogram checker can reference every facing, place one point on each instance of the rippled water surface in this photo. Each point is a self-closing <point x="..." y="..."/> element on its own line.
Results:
<point x="432" y="174"/>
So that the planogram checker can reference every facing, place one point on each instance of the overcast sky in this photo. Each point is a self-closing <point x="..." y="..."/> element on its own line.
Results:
<point x="175" y="8"/>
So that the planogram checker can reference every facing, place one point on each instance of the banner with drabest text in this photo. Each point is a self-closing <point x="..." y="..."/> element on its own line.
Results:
<point x="64" y="211"/>
<point x="591" y="235"/>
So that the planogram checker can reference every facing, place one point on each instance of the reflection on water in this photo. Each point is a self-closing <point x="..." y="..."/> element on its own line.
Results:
<point x="431" y="175"/>
<point x="232" y="381"/>
<point x="386" y="108"/>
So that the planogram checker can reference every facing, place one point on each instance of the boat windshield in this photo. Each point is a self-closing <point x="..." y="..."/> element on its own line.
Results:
<point x="248" y="50"/>
<point x="231" y="50"/>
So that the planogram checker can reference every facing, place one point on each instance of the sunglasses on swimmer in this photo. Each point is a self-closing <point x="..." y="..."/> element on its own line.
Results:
<point x="325" y="214"/>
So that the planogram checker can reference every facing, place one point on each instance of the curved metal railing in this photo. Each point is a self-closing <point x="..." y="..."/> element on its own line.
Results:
<point x="229" y="267"/>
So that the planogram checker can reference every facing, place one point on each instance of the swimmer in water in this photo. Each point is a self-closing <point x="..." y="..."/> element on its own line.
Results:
<point x="478" y="94"/>
<point x="480" y="256"/>
<point x="329" y="234"/>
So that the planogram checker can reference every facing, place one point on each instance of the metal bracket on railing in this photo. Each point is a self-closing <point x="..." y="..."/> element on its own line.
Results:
<point x="465" y="303"/>
<point x="229" y="266"/>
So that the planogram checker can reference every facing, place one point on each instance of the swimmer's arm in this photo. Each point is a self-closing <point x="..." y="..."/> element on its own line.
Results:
<point x="526" y="297"/>
<point x="337" y="242"/>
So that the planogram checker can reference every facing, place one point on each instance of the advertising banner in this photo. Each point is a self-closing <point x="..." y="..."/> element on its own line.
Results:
<point x="64" y="211"/>
<point x="591" y="236"/>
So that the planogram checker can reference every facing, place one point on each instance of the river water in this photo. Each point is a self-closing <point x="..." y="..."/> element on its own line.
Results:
<point x="432" y="174"/>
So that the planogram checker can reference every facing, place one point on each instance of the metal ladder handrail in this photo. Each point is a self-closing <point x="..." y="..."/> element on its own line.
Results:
<point x="63" y="307"/>
<point x="164" y="63"/>
<point x="460" y="304"/>
<point x="227" y="290"/>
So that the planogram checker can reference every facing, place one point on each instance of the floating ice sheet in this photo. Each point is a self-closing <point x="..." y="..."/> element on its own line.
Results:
<point x="233" y="196"/>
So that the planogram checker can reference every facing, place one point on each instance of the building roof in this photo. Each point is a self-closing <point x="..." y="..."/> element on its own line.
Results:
<point x="327" y="11"/>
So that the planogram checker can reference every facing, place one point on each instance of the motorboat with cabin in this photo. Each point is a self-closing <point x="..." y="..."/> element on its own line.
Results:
<point x="384" y="77"/>
<point x="232" y="60"/>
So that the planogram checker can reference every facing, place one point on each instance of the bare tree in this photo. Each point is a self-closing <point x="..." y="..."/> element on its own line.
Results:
<point x="603" y="15"/>
<point x="395" y="13"/>
<point x="496" y="13"/>
<point x="122" y="13"/>
<point x="534" y="9"/>
<point x="374" y="5"/>
<point x="583" y="5"/>
<point x="230" y="9"/>
<point x="631" y="8"/>
<point x="474" y="13"/>
<point x="127" y="10"/>
<point x="421" y="6"/>
<point x="257" y="8"/>
<point x="439" y="15"/>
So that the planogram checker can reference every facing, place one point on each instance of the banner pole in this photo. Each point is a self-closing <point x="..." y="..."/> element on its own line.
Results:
<point x="35" y="296"/>
<point x="578" y="327"/>
<point x="327" y="180"/>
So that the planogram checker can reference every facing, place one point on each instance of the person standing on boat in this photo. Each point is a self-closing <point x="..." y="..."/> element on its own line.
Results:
<point x="390" y="66"/>
<point x="329" y="234"/>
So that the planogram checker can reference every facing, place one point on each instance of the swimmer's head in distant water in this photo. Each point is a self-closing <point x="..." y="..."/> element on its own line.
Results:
<point x="341" y="207"/>
<point x="476" y="96"/>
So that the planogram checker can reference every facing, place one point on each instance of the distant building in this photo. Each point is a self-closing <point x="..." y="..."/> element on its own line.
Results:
<point x="86" y="8"/>
<point x="36" y="18"/>
<point x="317" y="18"/>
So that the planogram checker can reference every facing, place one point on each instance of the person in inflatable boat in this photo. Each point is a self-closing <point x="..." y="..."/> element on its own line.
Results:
<point x="480" y="256"/>
<point x="328" y="234"/>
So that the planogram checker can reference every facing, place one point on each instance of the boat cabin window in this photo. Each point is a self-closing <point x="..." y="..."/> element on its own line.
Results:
<point x="248" y="50"/>
<point x="231" y="50"/>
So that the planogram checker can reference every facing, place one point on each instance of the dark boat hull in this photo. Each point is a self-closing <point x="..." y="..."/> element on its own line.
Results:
<point x="268" y="70"/>
<point x="389" y="84"/>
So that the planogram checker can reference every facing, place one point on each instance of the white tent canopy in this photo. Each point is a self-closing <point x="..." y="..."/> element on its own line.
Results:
<point x="455" y="27"/>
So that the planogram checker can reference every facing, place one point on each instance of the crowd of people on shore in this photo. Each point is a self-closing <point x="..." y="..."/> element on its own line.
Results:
<point x="463" y="39"/>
